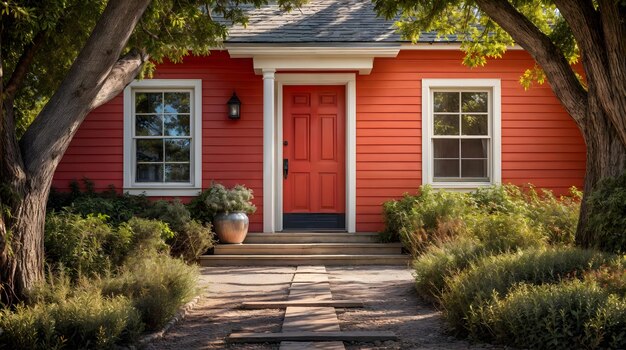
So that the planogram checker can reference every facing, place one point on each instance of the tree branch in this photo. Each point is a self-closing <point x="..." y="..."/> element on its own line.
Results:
<point x="122" y="74"/>
<point x="46" y="140"/>
<point x="562" y="78"/>
<point x="600" y="36"/>
<point x="23" y="64"/>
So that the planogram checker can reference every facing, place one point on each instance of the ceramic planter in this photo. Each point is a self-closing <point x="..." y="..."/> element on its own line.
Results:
<point x="232" y="227"/>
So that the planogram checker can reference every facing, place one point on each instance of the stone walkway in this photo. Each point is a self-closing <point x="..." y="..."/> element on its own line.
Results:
<point x="391" y="305"/>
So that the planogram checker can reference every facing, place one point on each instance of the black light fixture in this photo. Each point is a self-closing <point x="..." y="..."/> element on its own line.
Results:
<point x="234" y="107"/>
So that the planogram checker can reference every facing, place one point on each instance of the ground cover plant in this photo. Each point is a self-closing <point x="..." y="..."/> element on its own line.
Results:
<point x="118" y="265"/>
<point x="500" y="263"/>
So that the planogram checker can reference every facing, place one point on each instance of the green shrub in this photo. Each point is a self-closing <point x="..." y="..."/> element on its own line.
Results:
<point x="158" y="287"/>
<point x="191" y="238"/>
<point x="192" y="241"/>
<point x="219" y="199"/>
<point x="556" y="218"/>
<point x="569" y="315"/>
<point x="438" y="262"/>
<point x="606" y="225"/>
<point x="76" y="243"/>
<point x="505" y="199"/>
<point x="501" y="232"/>
<point x="431" y="216"/>
<point x="494" y="275"/>
<point x="82" y="319"/>
<point x="610" y="276"/>
<point x="148" y="236"/>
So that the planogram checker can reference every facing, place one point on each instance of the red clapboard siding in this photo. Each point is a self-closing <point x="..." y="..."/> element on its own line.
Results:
<point x="232" y="150"/>
<point x="540" y="143"/>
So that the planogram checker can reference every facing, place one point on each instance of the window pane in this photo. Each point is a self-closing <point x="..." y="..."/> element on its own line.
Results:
<point x="474" y="168"/>
<point x="446" y="101"/>
<point x="446" y="124"/>
<point x="148" y="102"/>
<point x="149" y="150"/>
<point x="177" y="173"/>
<point x="474" y="101"/>
<point x="446" y="148"/>
<point x="477" y="148"/>
<point x="177" y="150"/>
<point x="148" y="125"/>
<point x="149" y="173"/>
<point x="446" y="168"/>
<point x="176" y="125"/>
<point x="475" y="125"/>
<point x="177" y="102"/>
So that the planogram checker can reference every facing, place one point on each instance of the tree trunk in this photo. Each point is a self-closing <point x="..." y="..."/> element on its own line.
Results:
<point x="606" y="157"/>
<point x="26" y="169"/>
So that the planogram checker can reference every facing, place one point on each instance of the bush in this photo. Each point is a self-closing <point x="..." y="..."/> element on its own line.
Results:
<point x="556" y="218"/>
<point x="191" y="238"/>
<point x="418" y="221"/>
<point x="156" y="286"/>
<point x="494" y="275"/>
<point x="610" y="276"/>
<point x="569" y="315"/>
<point x="500" y="232"/>
<point x="606" y="206"/>
<point x="439" y="262"/>
<point x="70" y="317"/>
<point x="76" y="243"/>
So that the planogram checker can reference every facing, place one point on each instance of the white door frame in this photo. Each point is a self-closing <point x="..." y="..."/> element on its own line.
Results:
<point x="349" y="81"/>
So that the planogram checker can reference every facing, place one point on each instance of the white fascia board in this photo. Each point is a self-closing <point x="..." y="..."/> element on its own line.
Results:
<point x="237" y="51"/>
<point x="363" y="65"/>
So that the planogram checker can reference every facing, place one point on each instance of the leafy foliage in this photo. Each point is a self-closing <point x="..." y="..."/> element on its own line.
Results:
<point x="157" y="287"/>
<point x="481" y="37"/>
<point x="607" y="215"/>
<point x="495" y="275"/>
<point x="568" y="315"/>
<point x="67" y="316"/>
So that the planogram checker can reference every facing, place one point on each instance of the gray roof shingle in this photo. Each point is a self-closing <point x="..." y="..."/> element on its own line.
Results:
<point x="319" y="21"/>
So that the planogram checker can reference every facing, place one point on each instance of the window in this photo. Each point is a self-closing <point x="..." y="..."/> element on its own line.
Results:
<point x="461" y="132"/>
<point x="162" y="137"/>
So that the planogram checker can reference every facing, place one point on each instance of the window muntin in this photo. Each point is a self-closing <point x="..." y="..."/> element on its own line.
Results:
<point x="461" y="135"/>
<point x="162" y="136"/>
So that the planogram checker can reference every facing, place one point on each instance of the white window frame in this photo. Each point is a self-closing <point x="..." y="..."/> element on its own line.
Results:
<point x="495" y="124"/>
<point x="191" y="188"/>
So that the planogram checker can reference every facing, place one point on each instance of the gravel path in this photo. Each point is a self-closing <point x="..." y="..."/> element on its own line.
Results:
<point x="388" y="291"/>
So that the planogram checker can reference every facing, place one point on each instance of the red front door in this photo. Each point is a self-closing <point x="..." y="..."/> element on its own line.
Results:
<point x="314" y="156"/>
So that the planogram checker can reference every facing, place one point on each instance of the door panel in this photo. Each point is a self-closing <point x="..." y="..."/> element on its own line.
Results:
<point x="314" y="145"/>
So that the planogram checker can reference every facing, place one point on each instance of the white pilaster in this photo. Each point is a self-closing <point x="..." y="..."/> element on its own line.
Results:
<point x="269" y="151"/>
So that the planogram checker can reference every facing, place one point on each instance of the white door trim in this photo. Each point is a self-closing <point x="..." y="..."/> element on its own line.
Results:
<point x="349" y="81"/>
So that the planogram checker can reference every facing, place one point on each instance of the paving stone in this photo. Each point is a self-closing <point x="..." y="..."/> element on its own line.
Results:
<point x="310" y="291"/>
<point x="310" y="277"/>
<point x="311" y="269"/>
<point x="357" y="336"/>
<point x="312" y="319"/>
<point x="326" y="345"/>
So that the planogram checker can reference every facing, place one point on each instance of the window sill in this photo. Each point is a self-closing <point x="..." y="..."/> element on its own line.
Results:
<point x="459" y="186"/>
<point x="164" y="192"/>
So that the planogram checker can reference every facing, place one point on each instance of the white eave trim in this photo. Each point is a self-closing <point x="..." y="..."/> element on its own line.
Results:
<point x="281" y="58"/>
<point x="237" y="51"/>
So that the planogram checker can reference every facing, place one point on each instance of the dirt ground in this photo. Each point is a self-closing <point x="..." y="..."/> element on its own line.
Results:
<point x="388" y="292"/>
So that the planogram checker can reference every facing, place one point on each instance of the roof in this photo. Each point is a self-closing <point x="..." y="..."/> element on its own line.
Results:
<point x="319" y="22"/>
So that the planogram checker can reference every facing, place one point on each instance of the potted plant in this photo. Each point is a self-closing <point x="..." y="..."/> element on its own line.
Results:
<point x="228" y="209"/>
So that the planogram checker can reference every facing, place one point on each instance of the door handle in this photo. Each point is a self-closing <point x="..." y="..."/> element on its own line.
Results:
<point x="285" y="168"/>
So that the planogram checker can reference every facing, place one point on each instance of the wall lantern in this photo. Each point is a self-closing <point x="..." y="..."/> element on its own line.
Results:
<point x="234" y="107"/>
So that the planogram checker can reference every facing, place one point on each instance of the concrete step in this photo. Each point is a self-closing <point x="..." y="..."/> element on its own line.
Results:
<point x="294" y="260"/>
<point x="312" y="237"/>
<point x="308" y="248"/>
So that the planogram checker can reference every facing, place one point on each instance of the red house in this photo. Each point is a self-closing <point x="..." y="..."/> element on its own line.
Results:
<point x="338" y="114"/>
